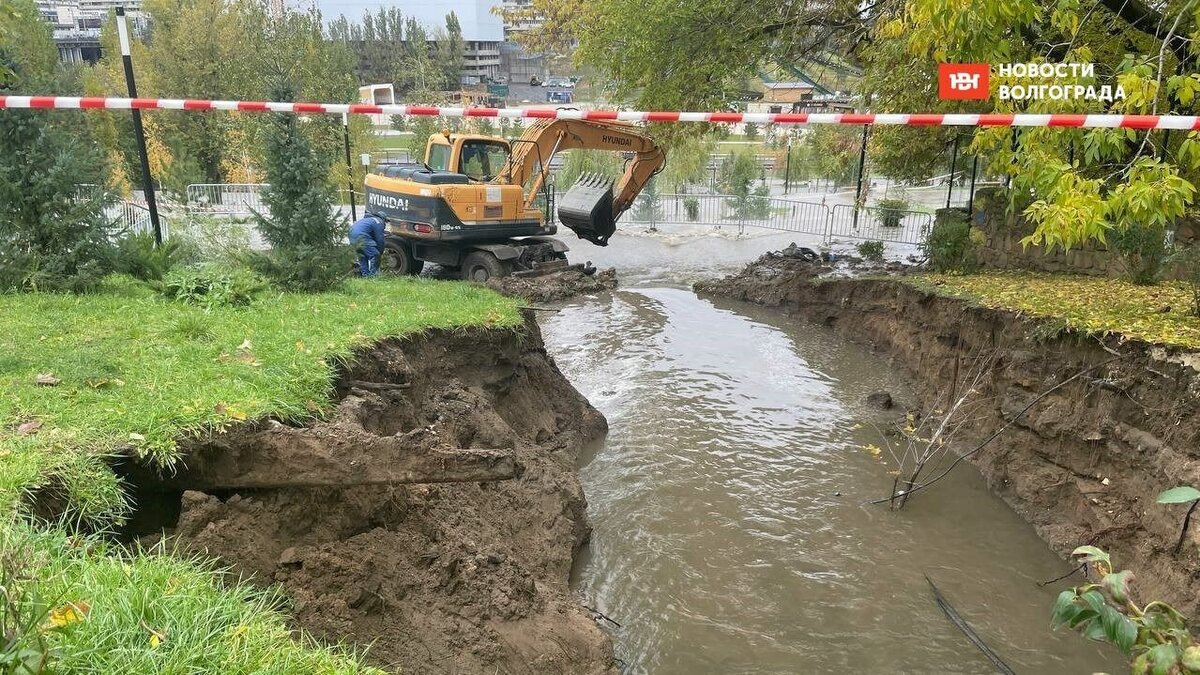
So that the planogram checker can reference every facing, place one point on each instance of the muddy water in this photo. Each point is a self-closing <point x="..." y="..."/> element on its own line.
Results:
<point x="727" y="500"/>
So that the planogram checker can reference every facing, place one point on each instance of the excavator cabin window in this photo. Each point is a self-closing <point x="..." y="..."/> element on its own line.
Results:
<point x="482" y="160"/>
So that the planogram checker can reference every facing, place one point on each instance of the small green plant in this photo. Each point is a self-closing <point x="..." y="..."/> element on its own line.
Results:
<point x="1156" y="636"/>
<point x="1144" y="250"/>
<point x="870" y="250"/>
<point x="1181" y="495"/>
<point x="212" y="286"/>
<point x="950" y="245"/>
<point x="24" y="644"/>
<point x="138" y="257"/>
<point x="891" y="211"/>
<point x="691" y="207"/>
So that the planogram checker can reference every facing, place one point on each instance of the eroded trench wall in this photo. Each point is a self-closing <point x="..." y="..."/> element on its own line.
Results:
<point x="1085" y="463"/>
<point x="456" y="577"/>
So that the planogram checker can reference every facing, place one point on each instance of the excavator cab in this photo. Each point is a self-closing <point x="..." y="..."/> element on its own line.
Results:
<point x="587" y="208"/>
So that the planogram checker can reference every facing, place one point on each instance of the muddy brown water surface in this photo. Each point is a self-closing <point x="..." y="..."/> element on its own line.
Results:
<point x="730" y="531"/>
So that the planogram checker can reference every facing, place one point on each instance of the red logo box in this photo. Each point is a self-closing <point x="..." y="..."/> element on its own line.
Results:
<point x="963" y="80"/>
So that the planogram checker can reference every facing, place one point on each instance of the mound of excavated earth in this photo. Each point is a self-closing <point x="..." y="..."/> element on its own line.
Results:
<point x="450" y="577"/>
<point x="1082" y="462"/>
<point x="556" y="286"/>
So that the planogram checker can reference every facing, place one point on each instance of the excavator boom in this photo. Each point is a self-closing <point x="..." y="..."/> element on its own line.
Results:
<point x="591" y="207"/>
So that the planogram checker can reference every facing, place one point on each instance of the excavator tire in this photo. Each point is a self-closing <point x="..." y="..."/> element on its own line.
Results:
<point x="397" y="259"/>
<point x="479" y="266"/>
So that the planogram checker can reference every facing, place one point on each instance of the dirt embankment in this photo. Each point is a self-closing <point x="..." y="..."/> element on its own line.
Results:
<point x="556" y="286"/>
<point x="1085" y="463"/>
<point x="438" y="578"/>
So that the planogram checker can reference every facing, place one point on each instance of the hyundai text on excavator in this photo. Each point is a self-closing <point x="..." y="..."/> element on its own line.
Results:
<point x="483" y="205"/>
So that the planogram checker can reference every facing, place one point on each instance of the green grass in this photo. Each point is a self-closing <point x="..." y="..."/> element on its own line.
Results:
<point x="139" y="372"/>
<point x="1091" y="305"/>
<point x="92" y="608"/>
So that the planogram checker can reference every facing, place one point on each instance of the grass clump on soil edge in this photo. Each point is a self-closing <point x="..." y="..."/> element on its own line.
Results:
<point x="1091" y="305"/>
<point x="85" y="378"/>
<point x="75" y="604"/>
<point x="131" y="371"/>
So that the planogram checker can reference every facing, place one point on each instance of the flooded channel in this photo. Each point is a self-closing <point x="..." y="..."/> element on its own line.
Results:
<point x="731" y="534"/>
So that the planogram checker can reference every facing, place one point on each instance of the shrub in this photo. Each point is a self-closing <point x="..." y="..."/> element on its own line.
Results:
<point x="1143" y="251"/>
<point x="52" y="237"/>
<point x="1187" y="258"/>
<point x="891" y="211"/>
<point x="138" y="257"/>
<point x="306" y="238"/>
<point x="950" y="245"/>
<point x="309" y="269"/>
<point x="871" y="250"/>
<point x="212" y="285"/>
<point x="691" y="206"/>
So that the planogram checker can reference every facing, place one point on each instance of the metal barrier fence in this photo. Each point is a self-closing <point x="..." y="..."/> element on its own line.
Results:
<point x="237" y="204"/>
<point x="241" y="199"/>
<point x="761" y="211"/>
<point x="873" y="223"/>
<point x="841" y="221"/>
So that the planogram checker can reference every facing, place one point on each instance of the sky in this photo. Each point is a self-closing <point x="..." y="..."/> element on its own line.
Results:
<point x="477" y="21"/>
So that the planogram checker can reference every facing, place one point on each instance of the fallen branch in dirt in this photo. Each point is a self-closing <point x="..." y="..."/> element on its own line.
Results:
<point x="1001" y="430"/>
<point x="966" y="629"/>
<point x="378" y="386"/>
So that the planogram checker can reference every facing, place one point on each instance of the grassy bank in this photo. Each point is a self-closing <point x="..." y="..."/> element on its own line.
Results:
<point x="1088" y="304"/>
<point x="125" y="370"/>
<point x="76" y="605"/>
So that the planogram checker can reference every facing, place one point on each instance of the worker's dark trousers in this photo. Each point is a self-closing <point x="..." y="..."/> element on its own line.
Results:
<point x="368" y="258"/>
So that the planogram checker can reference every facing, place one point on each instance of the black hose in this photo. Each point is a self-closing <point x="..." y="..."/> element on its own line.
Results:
<point x="966" y="629"/>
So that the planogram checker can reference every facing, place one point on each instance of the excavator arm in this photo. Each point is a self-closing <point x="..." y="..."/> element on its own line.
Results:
<point x="591" y="207"/>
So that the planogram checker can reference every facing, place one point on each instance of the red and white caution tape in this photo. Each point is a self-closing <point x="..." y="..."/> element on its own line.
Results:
<point x="910" y="119"/>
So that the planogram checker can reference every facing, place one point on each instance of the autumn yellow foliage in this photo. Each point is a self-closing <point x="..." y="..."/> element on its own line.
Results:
<point x="1093" y="305"/>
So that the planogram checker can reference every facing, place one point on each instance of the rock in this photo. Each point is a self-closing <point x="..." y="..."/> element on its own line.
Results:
<point x="880" y="399"/>
<point x="289" y="556"/>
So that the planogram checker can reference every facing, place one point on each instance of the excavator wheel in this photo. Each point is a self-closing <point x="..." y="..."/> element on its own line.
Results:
<point x="397" y="259"/>
<point x="479" y="266"/>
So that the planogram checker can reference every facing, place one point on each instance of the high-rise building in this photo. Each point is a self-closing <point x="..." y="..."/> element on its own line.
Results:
<point x="77" y="24"/>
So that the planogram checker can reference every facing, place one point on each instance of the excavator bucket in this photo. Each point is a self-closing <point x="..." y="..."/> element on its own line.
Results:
<point x="587" y="208"/>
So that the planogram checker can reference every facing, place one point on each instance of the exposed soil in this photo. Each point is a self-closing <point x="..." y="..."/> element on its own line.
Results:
<point x="1085" y="463"/>
<point x="460" y="577"/>
<point x="556" y="286"/>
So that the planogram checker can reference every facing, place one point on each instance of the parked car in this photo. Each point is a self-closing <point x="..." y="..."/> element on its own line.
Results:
<point x="559" y="83"/>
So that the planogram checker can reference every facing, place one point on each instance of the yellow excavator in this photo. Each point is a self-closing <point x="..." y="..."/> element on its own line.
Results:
<point x="483" y="205"/>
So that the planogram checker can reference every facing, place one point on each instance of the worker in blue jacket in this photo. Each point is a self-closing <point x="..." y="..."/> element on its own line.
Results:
<point x="366" y="236"/>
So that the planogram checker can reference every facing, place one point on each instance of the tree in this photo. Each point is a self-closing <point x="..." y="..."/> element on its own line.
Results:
<point x="669" y="55"/>
<point x="449" y="52"/>
<point x="53" y="236"/>
<point x="687" y="161"/>
<point x="1088" y="184"/>
<point x="305" y="237"/>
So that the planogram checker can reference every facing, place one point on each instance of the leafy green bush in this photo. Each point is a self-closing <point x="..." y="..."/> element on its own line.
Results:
<point x="890" y="211"/>
<point x="691" y="206"/>
<point x="1156" y="636"/>
<point x="871" y="250"/>
<point x="1144" y="250"/>
<point x="212" y="285"/>
<point x="138" y="257"/>
<point x="950" y="246"/>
